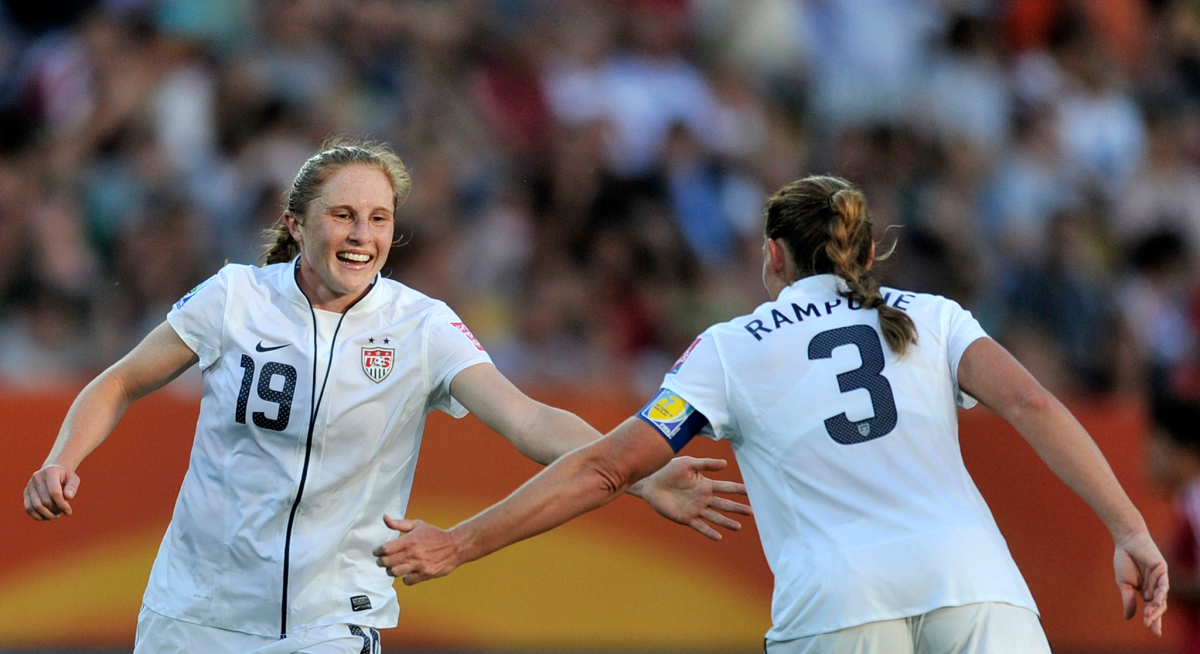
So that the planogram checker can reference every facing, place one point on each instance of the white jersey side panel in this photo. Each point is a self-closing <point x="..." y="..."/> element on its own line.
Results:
<point x="851" y="458"/>
<point x="300" y="403"/>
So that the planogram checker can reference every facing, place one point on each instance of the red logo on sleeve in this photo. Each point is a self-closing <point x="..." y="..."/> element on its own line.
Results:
<point x="686" y="353"/>
<point x="463" y="328"/>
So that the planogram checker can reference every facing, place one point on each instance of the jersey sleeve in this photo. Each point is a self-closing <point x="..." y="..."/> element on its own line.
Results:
<point x="450" y="348"/>
<point x="698" y="378"/>
<point x="199" y="317"/>
<point x="962" y="329"/>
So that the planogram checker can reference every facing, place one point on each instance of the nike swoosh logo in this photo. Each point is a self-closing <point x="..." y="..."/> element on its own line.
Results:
<point x="260" y="347"/>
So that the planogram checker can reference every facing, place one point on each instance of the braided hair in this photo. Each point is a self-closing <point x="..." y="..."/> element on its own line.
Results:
<point x="824" y="223"/>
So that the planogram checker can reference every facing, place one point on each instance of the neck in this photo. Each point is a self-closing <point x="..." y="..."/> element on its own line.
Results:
<point x="321" y="296"/>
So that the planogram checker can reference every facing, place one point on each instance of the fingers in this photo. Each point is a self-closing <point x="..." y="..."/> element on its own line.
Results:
<point x="37" y="502"/>
<point x="1156" y="599"/>
<point x="402" y="526"/>
<point x="729" y="506"/>
<point x="414" y="578"/>
<point x="72" y="486"/>
<point x="1129" y="599"/>
<point x="721" y="520"/>
<point x="54" y="489"/>
<point x="395" y="566"/>
<point x="728" y="487"/>
<point x="707" y="465"/>
<point x="707" y="531"/>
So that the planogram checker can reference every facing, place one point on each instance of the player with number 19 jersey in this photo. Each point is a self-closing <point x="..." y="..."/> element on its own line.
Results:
<point x="308" y="434"/>
<point x="850" y="456"/>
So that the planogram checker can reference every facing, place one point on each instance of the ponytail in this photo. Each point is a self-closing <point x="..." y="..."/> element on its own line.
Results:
<point x="848" y="231"/>
<point x="825" y="223"/>
<point x="281" y="247"/>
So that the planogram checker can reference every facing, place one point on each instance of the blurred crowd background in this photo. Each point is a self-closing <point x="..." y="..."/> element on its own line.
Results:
<point x="589" y="176"/>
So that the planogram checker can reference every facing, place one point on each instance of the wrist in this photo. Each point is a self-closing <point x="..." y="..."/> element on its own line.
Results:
<point x="638" y="489"/>
<point x="69" y="466"/>
<point x="463" y="544"/>
<point x="1127" y="529"/>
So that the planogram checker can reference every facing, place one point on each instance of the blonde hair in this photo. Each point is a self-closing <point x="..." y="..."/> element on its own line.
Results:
<point x="335" y="154"/>
<point x="824" y="223"/>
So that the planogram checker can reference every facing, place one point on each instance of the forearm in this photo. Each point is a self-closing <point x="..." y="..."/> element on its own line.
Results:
<point x="1065" y="447"/>
<point x="554" y="433"/>
<point x="573" y="485"/>
<point x="551" y="433"/>
<point x="92" y="417"/>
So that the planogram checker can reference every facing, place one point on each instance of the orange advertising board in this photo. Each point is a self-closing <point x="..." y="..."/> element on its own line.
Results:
<point x="619" y="579"/>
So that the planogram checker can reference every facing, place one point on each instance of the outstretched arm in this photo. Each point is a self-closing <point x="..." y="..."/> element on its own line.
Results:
<point x="585" y="479"/>
<point x="990" y="374"/>
<point x="159" y="358"/>
<point x="544" y="434"/>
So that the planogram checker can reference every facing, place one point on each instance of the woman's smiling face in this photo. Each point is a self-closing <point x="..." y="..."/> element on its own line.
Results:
<point x="346" y="236"/>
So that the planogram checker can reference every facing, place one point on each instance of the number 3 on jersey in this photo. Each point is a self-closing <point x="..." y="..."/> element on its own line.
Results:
<point x="282" y="397"/>
<point x="867" y="376"/>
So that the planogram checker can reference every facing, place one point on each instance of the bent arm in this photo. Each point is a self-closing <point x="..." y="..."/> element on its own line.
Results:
<point x="990" y="374"/>
<point x="159" y="358"/>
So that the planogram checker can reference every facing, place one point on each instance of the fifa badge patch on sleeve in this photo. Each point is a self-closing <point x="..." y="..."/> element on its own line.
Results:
<point x="667" y="412"/>
<point x="674" y="418"/>
<point x="463" y="328"/>
<point x="190" y="294"/>
<point x="683" y="357"/>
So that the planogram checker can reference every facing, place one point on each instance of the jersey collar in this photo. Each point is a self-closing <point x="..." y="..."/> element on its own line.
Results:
<point x="289" y="286"/>
<point x="813" y="283"/>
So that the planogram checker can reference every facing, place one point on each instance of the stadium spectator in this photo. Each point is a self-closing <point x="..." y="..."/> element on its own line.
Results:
<point x="970" y="126"/>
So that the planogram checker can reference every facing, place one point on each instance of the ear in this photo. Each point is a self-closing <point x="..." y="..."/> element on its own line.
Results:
<point x="777" y="258"/>
<point x="293" y="225"/>
<point x="870" y="257"/>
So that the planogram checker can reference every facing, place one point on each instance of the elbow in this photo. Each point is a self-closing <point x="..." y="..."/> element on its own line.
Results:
<point x="1032" y="403"/>
<point x="609" y="478"/>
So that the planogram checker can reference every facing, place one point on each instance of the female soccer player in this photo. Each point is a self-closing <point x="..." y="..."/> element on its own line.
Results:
<point x="318" y="374"/>
<point x="839" y="400"/>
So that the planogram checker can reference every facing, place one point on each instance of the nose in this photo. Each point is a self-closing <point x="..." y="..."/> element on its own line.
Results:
<point x="360" y="230"/>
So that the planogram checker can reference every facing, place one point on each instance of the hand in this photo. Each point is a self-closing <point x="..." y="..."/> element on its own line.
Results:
<point x="1141" y="570"/>
<point x="48" y="490"/>
<point x="422" y="552"/>
<point x="679" y="492"/>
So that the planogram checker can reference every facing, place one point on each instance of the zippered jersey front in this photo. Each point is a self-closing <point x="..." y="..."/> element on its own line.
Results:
<point x="254" y="467"/>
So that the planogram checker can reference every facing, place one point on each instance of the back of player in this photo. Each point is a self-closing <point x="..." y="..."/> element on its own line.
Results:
<point x="840" y="401"/>
<point x="850" y="455"/>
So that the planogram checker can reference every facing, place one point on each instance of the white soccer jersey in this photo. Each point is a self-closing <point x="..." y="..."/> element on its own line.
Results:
<point x="850" y="456"/>
<point x="308" y="434"/>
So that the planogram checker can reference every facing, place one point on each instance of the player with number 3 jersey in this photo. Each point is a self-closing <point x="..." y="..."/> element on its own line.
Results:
<point x="318" y="376"/>
<point x="840" y="401"/>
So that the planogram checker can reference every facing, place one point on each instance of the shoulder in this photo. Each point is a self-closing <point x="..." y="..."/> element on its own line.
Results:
<point x="919" y="304"/>
<point x="404" y="302"/>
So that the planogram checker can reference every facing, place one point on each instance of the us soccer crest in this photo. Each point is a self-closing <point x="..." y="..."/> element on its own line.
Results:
<point x="378" y="362"/>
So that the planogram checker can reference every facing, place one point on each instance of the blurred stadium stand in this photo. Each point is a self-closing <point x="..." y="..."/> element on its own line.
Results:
<point x="588" y="176"/>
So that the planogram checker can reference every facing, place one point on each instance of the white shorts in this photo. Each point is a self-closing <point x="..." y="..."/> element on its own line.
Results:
<point x="986" y="628"/>
<point x="158" y="634"/>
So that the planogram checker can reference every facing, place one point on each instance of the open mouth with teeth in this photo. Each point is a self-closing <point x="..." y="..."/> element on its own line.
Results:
<point x="353" y="257"/>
